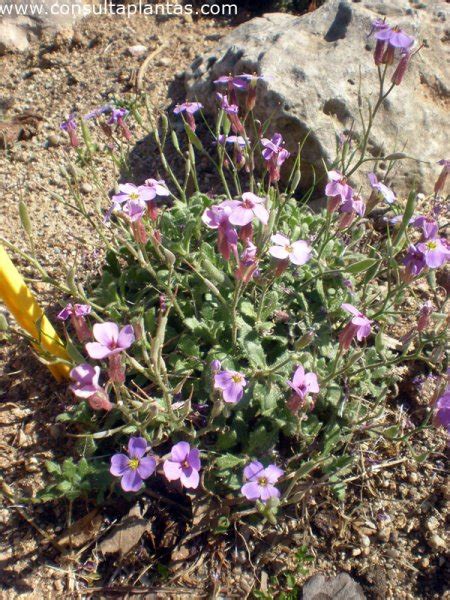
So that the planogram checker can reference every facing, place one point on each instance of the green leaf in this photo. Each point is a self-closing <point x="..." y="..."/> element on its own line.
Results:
<point x="361" y="265"/>
<point x="228" y="461"/>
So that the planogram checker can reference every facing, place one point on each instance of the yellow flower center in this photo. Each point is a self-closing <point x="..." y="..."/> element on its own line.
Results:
<point x="133" y="463"/>
<point x="134" y="196"/>
<point x="237" y="378"/>
<point x="289" y="248"/>
<point x="263" y="481"/>
<point x="431" y="245"/>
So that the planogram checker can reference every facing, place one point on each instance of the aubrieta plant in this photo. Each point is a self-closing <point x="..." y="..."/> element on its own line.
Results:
<point x="237" y="341"/>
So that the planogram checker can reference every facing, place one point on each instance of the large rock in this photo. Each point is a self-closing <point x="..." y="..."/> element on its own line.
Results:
<point x="341" y="587"/>
<point x="315" y="64"/>
<point x="22" y="21"/>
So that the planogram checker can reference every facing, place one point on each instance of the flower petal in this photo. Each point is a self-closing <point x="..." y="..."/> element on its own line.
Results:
<point x="261" y="213"/>
<point x="119" y="464"/>
<point x="301" y="253"/>
<point x="137" y="446"/>
<point x="131" y="481"/>
<point x="241" y="216"/>
<point x="172" y="470"/>
<point x="147" y="466"/>
<point x="278" y="252"/>
<point x="180" y="451"/>
<point x="97" y="351"/>
<point x="190" y="478"/>
<point x="273" y="473"/>
<point x="106" y="333"/>
<point x="233" y="393"/>
<point x="126" y="337"/>
<point x="251" y="490"/>
<point x="252" y="470"/>
<point x="194" y="459"/>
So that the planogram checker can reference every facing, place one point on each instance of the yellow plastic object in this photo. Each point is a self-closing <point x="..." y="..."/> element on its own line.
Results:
<point x="29" y="315"/>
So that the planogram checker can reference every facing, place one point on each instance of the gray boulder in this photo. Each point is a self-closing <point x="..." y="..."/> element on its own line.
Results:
<point x="24" y="20"/>
<point x="315" y="65"/>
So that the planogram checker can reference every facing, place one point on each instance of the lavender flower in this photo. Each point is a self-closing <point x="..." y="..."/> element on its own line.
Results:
<point x="232" y="112"/>
<point x="382" y="189"/>
<point x="217" y="217"/>
<point x="359" y="327"/>
<point x="428" y="225"/>
<point x="247" y="209"/>
<point x="239" y="82"/>
<point x="425" y="312"/>
<point x="184" y="464"/>
<point x="77" y="314"/>
<point x="216" y="365"/>
<point x="337" y="190"/>
<point x="304" y="383"/>
<point x="86" y="386"/>
<point x="436" y="252"/>
<point x="110" y="342"/>
<point x="231" y="384"/>
<point x="350" y="208"/>
<point x="135" y="467"/>
<point x="70" y="127"/>
<point x="274" y="155"/>
<point x="248" y="263"/>
<point x="260" y="481"/>
<point x="414" y="261"/>
<point x="298" y="253"/>
<point x="442" y="408"/>
<point x="132" y="200"/>
<point x="188" y="109"/>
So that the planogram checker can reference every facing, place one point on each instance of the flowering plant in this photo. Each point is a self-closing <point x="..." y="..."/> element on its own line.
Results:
<point x="239" y="342"/>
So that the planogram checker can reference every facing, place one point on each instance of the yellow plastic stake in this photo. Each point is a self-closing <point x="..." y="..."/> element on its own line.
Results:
<point x="29" y="315"/>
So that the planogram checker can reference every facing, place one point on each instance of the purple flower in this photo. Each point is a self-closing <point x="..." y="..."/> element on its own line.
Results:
<point x="425" y="312"/>
<point x="260" y="481"/>
<point x="117" y="115"/>
<point x="298" y="252"/>
<point x="70" y="127"/>
<point x="435" y="252"/>
<point x="231" y="139"/>
<point x="350" y="208"/>
<point x="135" y="467"/>
<point x="428" y="225"/>
<point x="247" y="263"/>
<point x="217" y="217"/>
<point x="247" y="209"/>
<point x="216" y="365"/>
<point x="109" y="340"/>
<point x="184" y="464"/>
<point x="395" y="37"/>
<point x="337" y="190"/>
<point x="77" y="314"/>
<point x="97" y="112"/>
<point x="232" y="111"/>
<point x="442" y="407"/>
<point x="157" y="187"/>
<point x="79" y="310"/>
<point x="274" y="155"/>
<point x="304" y="383"/>
<point x="87" y="387"/>
<point x="232" y="384"/>
<point x="359" y="327"/>
<point x="414" y="261"/>
<point x="239" y="82"/>
<point x="381" y="188"/>
<point x="132" y="199"/>
<point x="189" y="109"/>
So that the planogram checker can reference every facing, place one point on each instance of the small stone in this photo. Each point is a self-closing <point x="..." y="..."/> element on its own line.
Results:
<point x="341" y="587"/>
<point x="436" y="542"/>
<point x="86" y="188"/>
<point x="137" y="50"/>
<point x="384" y="534"/>
<point x="356" y="551"/>
<point x="164" y="61"/>
<point x="53" y="140"/>
<point x="425" y="562"/>
<point x="432" y="524"/>
<point x="413" y="478"/>
<point x="365" y="541"/>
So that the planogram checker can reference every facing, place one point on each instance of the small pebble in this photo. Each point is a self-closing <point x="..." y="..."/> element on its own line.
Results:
<point x="86" y="188"/>
<point x="53" y="140"/>
<point x="432" y="524"/>
<point x="365" y="541"/>
<point x="137" y="50"/>
<point x="436" y="542"/>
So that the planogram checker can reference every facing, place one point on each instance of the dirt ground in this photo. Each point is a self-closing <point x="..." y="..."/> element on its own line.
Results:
<point x="389" y="534"/>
